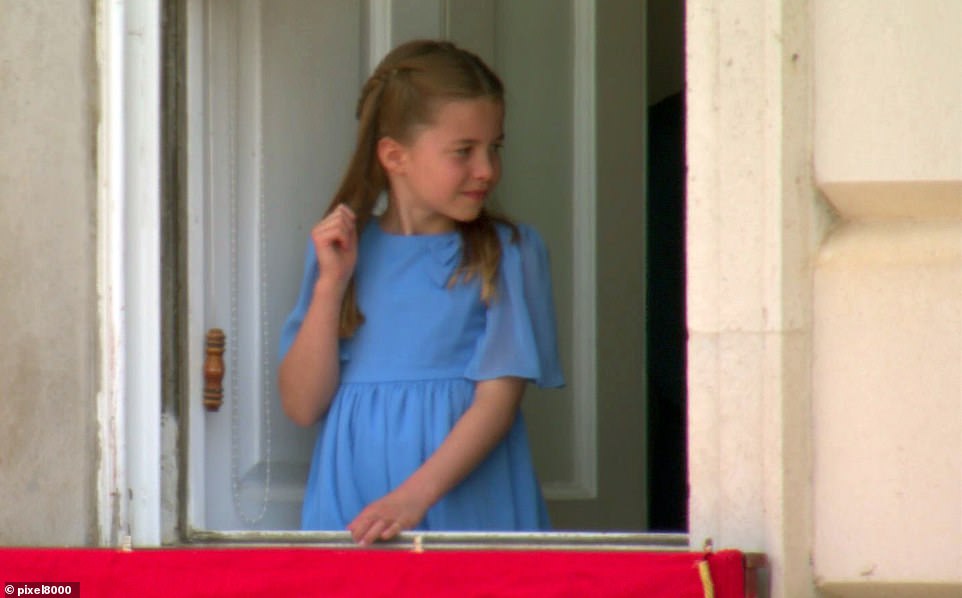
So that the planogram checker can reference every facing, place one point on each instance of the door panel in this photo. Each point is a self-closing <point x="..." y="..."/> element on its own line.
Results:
<point x="272" y="88"/>
<point x="283" y="77"/>
<point x="538" y="150"/>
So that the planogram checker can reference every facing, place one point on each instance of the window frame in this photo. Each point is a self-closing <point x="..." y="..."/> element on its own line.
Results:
<point x="140" y="400"/>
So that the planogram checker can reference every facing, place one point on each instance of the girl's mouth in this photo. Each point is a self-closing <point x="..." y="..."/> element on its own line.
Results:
<point x="477" y="195"/>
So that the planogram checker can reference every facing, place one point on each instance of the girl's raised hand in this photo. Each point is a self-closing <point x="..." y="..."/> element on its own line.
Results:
<point x="335" y="241"/>
<point x="385" y="518"/>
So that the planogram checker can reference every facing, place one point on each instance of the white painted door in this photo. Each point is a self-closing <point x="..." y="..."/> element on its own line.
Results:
<point x="272" y="86"/>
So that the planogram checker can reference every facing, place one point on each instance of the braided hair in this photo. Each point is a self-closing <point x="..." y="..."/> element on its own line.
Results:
<point x="404" y="92"/>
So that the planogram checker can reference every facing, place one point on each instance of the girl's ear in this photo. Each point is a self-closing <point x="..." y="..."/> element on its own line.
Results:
<point x="392" y="155"/>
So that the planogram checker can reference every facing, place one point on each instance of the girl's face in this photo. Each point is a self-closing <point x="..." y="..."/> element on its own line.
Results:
<point x="445" y="174"/>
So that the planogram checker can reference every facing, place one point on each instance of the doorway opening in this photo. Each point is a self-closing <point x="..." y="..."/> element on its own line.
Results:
<point x="666" y="326"/>
<point x="255" y="170"/>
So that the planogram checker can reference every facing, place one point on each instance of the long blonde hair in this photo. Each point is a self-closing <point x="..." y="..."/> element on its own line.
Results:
<point x="405" y="91"/>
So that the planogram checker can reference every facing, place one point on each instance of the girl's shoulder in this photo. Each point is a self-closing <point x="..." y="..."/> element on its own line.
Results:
<point x="523" y="247"/>
<point x="520" y="234"/>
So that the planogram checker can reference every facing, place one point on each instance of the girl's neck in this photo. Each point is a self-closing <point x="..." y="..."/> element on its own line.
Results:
<point x="414" y="222"/>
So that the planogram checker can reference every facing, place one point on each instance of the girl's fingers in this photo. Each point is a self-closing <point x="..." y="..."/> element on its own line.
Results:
<point x="375" y="530"/>
<point x="372" y="525"/>
<point x="342" y="216"/>
<point x="391" y="531"/>
<point x="339" y="220"/>
<point x="346" y="210"/>
<point x="334" y="236"/>
<point x="336" y="229"/>
<point x="369" y="534"/>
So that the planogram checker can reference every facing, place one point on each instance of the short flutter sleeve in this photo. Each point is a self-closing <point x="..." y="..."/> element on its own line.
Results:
<point x="520" y="337"/>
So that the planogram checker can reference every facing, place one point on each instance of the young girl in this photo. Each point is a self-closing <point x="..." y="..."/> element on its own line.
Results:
<point x="415" y="332"/>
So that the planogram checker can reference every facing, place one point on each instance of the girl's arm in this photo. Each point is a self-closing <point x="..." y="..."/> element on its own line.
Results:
<point x="309" y="373"/>
<point x="308" y="376"/>
<point x="471" y="439"/>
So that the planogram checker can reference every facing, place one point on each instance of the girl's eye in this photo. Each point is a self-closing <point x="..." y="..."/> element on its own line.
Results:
<point x="463" y="152"/>
<point x="496" y="148"/>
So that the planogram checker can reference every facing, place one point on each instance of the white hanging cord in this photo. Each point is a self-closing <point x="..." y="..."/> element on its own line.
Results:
<point x="266" y="370"/>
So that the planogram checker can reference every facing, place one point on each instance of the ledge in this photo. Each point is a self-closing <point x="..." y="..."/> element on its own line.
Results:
<point x="870" y="589"/>
<point x="895" y="200"/>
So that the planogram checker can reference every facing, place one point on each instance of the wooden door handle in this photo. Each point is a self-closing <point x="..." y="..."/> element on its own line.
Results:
<point x="214" y="369"/>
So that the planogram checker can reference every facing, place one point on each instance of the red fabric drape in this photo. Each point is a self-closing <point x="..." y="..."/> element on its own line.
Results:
<point x="283" y="572"/>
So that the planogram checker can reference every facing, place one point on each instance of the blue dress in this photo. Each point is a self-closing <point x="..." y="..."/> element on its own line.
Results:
<point x="409" y="372"/>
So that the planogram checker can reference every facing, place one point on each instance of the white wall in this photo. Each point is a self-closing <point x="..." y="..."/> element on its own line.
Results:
<point x="48" y="328"/>
<point x="825" y="377"/>
<point x="753" y="223"/>
<point x="888" y="297"/>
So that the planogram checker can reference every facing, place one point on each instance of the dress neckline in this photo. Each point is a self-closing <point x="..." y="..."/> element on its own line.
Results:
<point x="375" y="225"/>
<point x="443" y="249"/>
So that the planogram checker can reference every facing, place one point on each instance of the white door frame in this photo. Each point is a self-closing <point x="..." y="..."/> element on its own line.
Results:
<point x="128" y="272"/>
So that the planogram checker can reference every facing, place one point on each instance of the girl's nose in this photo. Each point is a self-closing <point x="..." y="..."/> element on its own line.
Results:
<point x="485" y="166"/>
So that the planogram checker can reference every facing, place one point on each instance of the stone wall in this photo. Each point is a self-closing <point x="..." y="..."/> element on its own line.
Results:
<point x="754" y="223"/>
<point x="825" y="275"/>
<point x="48" y="316"/>
<point x="887" y="373"/>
